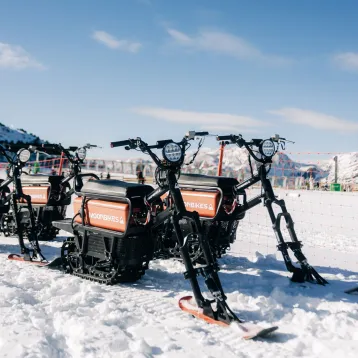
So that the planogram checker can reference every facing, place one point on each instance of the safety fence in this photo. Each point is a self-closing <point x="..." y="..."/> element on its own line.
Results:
<point x="290" y="170"/>
<point x="325" y="222"/>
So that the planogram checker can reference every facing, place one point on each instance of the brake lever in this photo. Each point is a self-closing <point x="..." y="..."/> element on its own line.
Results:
<point x="89" y="146"/>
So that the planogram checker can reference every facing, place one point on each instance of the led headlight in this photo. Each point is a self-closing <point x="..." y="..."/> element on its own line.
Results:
<point x="81" y="153"/>
<point x="23" y="155"/>
<point x="267" y="148"/>
<point x="172" y="152"/>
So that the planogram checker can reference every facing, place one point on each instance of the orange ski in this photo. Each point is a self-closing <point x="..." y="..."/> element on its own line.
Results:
<point x="185" y="305"/>
<point x="16" y="257"/>
<point x="247" y="330"/>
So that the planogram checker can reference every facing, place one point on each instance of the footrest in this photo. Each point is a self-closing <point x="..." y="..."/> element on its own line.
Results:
<point x="65" y="225"/>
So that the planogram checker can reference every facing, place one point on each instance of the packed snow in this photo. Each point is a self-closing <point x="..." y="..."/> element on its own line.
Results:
<point x="47" y="313"/>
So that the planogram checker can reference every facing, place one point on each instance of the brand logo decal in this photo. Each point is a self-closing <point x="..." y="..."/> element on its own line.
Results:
<point x="38" y="196"/>
<point x="193" y="205"/>
<point x="104" y="217"/>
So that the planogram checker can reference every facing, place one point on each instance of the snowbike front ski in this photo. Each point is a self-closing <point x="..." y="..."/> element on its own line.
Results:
<point x="57" y="262"/>
<point x="247" y="330"/>
<point x="16" y="257"/>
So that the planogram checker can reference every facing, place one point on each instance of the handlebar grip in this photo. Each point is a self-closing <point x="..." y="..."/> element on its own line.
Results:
<point x="72" y="149"/>
<point x="47" y="145"/>
<point x="50" y="146"/>
<point x="201" y="133"/>
<point x="120" y="143"/>
<point x="162" y="143"/>
<point x="224" y="137"/>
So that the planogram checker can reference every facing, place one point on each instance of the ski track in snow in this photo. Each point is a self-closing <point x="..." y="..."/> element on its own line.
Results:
<point x="47" y="313"/>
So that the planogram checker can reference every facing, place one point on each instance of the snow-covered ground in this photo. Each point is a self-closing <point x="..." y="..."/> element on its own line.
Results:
<point x="46" y="313"/>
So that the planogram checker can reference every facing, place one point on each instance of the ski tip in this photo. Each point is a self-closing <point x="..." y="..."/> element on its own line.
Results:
<point x="188" y="305"/>
<point x="14" y="257"/>
<point x="261" y="333"/>
<point x="247" y="331"/>
<point x="352" y="290"/>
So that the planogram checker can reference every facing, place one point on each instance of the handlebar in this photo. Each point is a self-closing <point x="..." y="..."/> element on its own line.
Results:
<point x="161" y="144"/>
<point x="58" y="148"/>
<point x="121" y="143"/>
<point x="224" y="137"/>
<point x="241" y="142"/>
<point x="147" y="149"/>
<point x="192" y="134"/>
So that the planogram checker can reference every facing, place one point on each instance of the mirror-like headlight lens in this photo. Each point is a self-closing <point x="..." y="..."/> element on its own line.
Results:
<point x="23" y="155"/>
<point x="172" y="152"/>
<point x="81" y="153"/>
<point x="268" y="148"/>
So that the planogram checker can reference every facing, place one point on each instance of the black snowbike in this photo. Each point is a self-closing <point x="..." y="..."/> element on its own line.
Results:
<point x="50" y="194"/>
<point x="221" y="228"/>
<point x="16" y="204"/>
<point x="116" y="229"/>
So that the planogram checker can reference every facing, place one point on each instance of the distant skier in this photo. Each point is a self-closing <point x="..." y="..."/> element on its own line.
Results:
<point x="139" y="172"/>
<point x="108" y="176"/>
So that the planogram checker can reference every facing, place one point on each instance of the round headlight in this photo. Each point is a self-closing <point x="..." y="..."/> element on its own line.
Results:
<point x="81" y="153"/>
<point x="267" y="148"/>
<point x="23" y="155"/>
<point x="172" y="152"/>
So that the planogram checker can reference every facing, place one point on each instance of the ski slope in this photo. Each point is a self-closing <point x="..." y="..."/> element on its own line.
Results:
<point x="46" y="313"/>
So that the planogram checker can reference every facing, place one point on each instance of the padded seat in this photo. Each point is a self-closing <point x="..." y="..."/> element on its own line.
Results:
<point x="205" y="180"/>
<point x="38" y="179"/>
<point x="115" y="188"/>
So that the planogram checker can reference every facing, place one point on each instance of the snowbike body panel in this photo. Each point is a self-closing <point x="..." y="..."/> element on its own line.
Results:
<point x="45" y="190"/>
<point x="103" y="214"/>
<point x="199" y="187"/>
<point x="205" y="203"/>
<point x="39" y="194"/>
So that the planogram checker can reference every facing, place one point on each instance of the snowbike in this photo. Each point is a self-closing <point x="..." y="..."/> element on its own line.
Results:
<point x="50" y="194"/>
<point x="115" y="226"/>
<point x="222" y="202"/>
<point x="19" y="205"/>
<point x="262" y="152"/>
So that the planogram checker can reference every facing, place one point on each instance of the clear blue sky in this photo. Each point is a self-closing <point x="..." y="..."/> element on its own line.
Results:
<point x="97" y="71"/>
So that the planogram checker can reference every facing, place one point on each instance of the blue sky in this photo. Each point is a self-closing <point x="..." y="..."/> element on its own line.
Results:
<point x="97" y="71"/>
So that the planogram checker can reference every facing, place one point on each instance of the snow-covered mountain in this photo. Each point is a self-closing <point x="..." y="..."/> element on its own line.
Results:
<point x="236" y="163"/>
<point x="347" y="168"/>
<point x="9" y="135"/>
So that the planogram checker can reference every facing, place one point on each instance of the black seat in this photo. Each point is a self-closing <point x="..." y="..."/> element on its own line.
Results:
<point x="38" y="179"/>
<point x="223" y="183"/>
<point x="115" y="188"/>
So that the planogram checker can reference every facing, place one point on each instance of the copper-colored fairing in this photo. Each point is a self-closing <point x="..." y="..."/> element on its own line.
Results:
<point x="104" y="214"/>
<point x="205" y="203"/>
<point x="39" y="194"/>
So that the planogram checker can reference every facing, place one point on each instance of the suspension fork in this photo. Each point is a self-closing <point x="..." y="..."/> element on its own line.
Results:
<point x="18" y="225"/>
<point x="210" y="271"/>
<point x="282" y="246"/>
<point x="307" y="272"/>
<point x="269" y="199"/>
<point x="190" y="273"/>
<point x="33" y="239"/>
